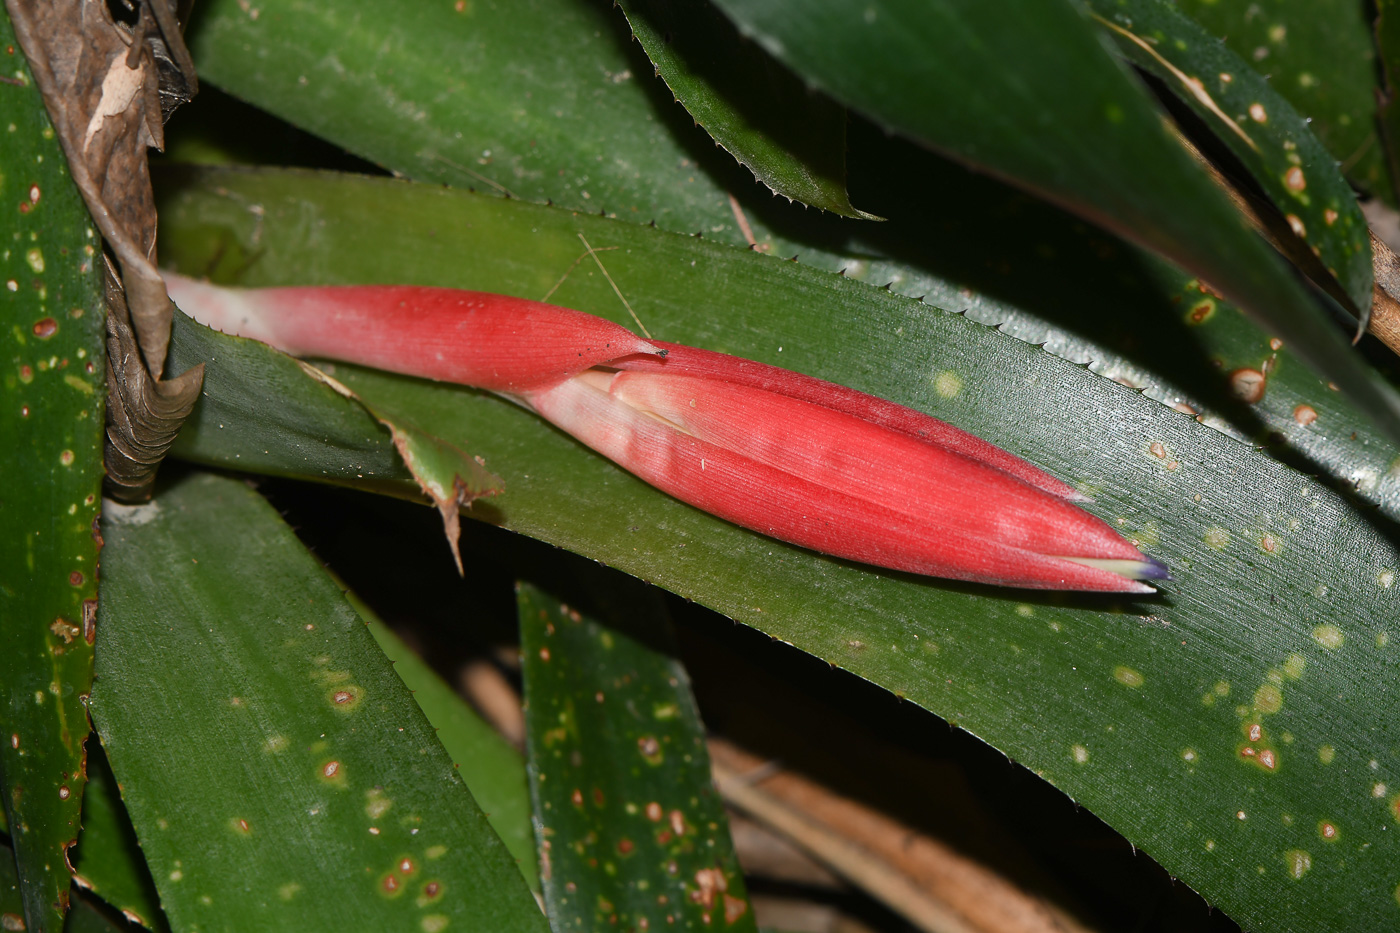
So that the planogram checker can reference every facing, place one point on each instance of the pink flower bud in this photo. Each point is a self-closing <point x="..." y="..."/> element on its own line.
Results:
<point x="806" y="461"/>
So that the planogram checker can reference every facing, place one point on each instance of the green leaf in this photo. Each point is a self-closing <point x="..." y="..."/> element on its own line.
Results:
<point x="1285" y="595"/>
<point x="794" y="141"/>
<point x="316" y="771"/>
<point x="1320" y="55"/>
<point x="632" y="833"/>
<point x="1011" y="262"/>
<point x="1036" y="99"/>
<point x="504" y="96"/>
<point x="493" y="770"/>
<point x="1258" y="125"/>
<point x="83" y="919"/>
<point x="52" y="370"/>
<point x="109" y="862"/>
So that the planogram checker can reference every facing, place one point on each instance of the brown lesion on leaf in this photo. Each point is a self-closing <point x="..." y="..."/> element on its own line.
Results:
<point x="108" y="86"/>
<point x="65" y="630"/>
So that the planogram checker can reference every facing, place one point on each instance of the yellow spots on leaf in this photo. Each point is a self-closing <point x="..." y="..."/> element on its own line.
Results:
<point x="1079" y="753"/>
<point x="275" y="744"/>
<point x="1386" y="579"/>
<point x="1294" y="666"/>
<point x="1298" y="863"/>
<point x="434" y="923"/>
<point x="1025" y="610"/>
<point x="1329" y="637"/>
<point x="289" y="891"/>
<point x="1277" y="33"/>
<point x="1307" y="80"/>
<point x="1268" y="699"/>
<point x="35" y="258"/>
<point x="1382" y="639"/>
<point x="1128" y="677"/>
<point x="377" y="803"/>
<point x="1216" y="538"/>
<point x="947" y="384"/>
<point x="435" y="852"/>
<point x="1190" y="755"/>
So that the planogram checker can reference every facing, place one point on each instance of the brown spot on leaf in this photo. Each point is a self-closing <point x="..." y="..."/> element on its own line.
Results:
<point x="1295" y="180"/>
<point x="1305" y="414"/>
<point x="76" y="578"/>
<point x="45" y="328"/>
<point x="1248" y="385"/>
<point x="65" y="630"/>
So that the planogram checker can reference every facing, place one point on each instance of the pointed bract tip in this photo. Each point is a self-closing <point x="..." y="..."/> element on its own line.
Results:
<point x="1149" y="568"/>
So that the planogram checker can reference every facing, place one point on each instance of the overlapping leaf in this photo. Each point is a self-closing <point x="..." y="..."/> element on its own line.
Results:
<point x="493" y="770"/>
<point x="1321" y="56"/>
<point x="793" y="140"/>
<point x="1156" y="714"/>
<point x="316" y="768"/>
<point x="632" y="832"/>
<point x="1037" y="99"/>
<point x="1259" y="126"/>
<point x="52" y="378"/>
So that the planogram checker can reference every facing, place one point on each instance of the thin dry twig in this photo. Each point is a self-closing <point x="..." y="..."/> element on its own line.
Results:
<point x="925" y="881"/>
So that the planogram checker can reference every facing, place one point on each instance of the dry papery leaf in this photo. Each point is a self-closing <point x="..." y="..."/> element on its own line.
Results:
<point x="109" y="76"/>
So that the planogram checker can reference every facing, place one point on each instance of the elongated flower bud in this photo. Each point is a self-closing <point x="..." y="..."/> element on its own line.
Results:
<point x="806" y="461"/>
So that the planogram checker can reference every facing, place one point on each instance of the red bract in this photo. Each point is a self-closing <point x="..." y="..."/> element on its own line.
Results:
<point x="806" y="461"/>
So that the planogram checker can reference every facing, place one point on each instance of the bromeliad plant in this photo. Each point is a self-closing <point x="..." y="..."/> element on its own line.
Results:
<point x="1100" y="309"/>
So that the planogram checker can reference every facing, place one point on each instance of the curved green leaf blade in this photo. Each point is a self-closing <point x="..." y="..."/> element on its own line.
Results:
<point x="314" y="768"/>
<point x="1277" y="576"/>
<point x="632" y="832"/>
<point x="83" y="919"/>
<point x="493" y="770"/>
<point x="529" y="98"/>
<point x="1259" y="126"/>
<point x="794" y="141"/>
<point x="1320" y="55"/>
<point x="52" y="381"/>
<point x="1036" y="99"/>
<point x="109" y="862"/>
